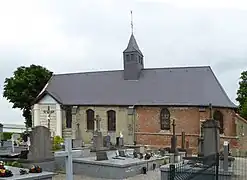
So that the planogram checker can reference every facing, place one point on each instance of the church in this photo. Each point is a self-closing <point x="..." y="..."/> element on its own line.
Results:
<point x="141" y="103"/>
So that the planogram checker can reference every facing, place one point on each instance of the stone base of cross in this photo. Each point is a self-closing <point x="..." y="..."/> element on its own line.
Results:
<point x="68" y="158"/>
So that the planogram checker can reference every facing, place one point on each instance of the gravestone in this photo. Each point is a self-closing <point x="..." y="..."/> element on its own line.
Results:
<point x="174" y="140"/>
<point x="211" y="141"/>
<point x="77" y="142"/>
<point x="107" y="141"/>
<point x="183" y="140"/>
<point x="40" y="151"/>
<point x="41" y="146"/>
<point x="97" y="137"/>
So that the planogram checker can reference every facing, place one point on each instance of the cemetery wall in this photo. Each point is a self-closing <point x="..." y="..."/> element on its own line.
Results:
<point x="122" y="123"/>
<point x="188" y="119"/>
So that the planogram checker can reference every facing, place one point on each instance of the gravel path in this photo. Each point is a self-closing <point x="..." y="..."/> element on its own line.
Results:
<point x="151" y="175"/>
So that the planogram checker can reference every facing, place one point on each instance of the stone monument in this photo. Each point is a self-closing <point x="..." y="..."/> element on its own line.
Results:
<point x="97" y="137"/>
<point x="40" y="151"/>
<point x="183" y="140"/>
<point x="174" y="158"/>
<point x="174" y="140"/>
<point x="77" y="142"/>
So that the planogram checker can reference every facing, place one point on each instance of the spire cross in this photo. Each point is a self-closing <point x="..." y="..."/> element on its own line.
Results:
<point x="131" y="22"/>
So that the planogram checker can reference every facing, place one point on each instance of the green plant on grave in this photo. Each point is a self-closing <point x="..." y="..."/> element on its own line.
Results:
<point x="13" y="164"/>
<point x="57" y="140"/>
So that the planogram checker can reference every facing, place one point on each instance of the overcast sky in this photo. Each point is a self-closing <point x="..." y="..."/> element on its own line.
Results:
<point x="79" y="35"/>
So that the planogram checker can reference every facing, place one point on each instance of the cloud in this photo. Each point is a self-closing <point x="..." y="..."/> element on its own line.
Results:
<point x="91" y="35"/>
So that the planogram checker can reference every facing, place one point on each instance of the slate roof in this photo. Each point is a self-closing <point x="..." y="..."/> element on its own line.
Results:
<point x="179" y="86"/>
<point x="132" y="45"/>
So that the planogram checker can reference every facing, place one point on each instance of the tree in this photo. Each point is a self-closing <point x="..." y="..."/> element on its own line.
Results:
<point x="243" y="111"/>
<point x="242" y="94"/>
<point x="24" y="86"/>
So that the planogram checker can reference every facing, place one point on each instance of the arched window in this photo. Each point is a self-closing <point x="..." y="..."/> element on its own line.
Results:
<point x="111" y="120"/>
<point x="165" y="119"/>
<point x="90" y="119"/>
<point x="218" y="116"/>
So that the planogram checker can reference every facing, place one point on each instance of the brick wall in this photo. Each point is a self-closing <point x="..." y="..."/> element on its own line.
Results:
<point x="187" y="119"/>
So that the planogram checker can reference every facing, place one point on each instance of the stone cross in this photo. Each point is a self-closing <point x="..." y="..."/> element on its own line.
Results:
<point x="173" y="127"/>
<point x="97" y="120"/>
<point x="174" y="139"/>
<point x="48" y="112"/>
<point x="68" y="158"/>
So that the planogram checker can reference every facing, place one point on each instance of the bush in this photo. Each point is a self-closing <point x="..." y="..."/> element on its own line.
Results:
<point x="7" y="135"/>
<point x="57" y="140"/>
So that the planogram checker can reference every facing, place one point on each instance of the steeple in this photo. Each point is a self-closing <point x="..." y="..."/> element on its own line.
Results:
<point x="133" y="58"/>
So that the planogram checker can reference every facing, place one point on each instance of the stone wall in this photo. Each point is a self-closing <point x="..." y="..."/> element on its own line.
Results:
<point x="188" y="119"/>
<point x="123" y="123"/>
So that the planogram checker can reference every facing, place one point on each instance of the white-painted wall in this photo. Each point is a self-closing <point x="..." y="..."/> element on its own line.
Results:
<point x="40" y="118"/>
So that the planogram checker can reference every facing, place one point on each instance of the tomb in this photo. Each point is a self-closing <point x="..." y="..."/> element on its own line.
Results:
<point x="115" y="167"/>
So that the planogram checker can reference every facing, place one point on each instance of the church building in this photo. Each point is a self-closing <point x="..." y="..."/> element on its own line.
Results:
<point x="139" y="102"/>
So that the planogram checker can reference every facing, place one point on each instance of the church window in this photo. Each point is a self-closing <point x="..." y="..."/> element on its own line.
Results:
<point x="111" y="120"/>
<point x="128" y="57"/>
<point x="164" y="119"/>
<point x="90" y="119"/>
<point x="218" y="116"/>
<point x="132" y="57"/>
<point x="68" y="112"/>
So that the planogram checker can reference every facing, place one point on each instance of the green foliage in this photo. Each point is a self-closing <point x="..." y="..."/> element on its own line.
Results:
<point x="57" y="140"/>
<point x="24" y="86"/>
<point x="242" y="94"/>
<point x="243" y="111"/>
<point x="14" y="164"/>
<point x="7" y="135"/>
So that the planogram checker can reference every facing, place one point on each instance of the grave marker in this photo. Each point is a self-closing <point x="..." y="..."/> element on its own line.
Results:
<point x="68" y="158"/>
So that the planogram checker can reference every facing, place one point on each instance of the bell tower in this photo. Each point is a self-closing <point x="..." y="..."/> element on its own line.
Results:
<point x="132" y="58"/>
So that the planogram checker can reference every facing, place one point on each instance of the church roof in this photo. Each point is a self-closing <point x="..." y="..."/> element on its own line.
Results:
<point x="178" y="86"/>
<point x="132" y="46"/>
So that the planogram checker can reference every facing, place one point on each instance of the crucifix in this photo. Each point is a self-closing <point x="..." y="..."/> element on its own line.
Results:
<point x="48" y="112"/>
<point x="97" y="120"/>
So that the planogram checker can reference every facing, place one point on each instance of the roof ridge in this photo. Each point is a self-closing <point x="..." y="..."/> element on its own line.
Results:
<point x="91" y="72"/>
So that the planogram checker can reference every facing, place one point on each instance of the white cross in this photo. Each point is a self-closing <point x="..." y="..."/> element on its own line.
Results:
<point x="68" y="158"/>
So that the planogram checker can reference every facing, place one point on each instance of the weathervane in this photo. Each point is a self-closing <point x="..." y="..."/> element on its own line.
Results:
<point x="132" y="29"/>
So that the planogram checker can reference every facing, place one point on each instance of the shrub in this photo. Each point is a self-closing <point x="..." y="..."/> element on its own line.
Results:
<point x="57" y="140"/>
<point x="7" y="135"/>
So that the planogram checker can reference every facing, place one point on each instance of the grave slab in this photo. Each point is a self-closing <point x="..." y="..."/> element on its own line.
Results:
<point x="115" y="168"/>
<point x="32" y="176"/>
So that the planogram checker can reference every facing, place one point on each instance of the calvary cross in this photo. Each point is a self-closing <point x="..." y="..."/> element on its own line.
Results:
<point x="48" y="112"/>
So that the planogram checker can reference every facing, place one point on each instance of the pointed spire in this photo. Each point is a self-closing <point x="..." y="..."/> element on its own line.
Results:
<point x="132" y="46"/>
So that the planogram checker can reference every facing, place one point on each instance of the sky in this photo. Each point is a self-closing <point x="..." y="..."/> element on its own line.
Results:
<point x="89" y="35"/>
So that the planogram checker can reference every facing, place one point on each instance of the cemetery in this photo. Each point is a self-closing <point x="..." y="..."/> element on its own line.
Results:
<point x="33" y="158"/>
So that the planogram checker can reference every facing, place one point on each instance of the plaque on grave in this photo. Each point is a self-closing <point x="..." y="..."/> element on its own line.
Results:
<point x="101" y="156"/>
<point x="121" y="153"/>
